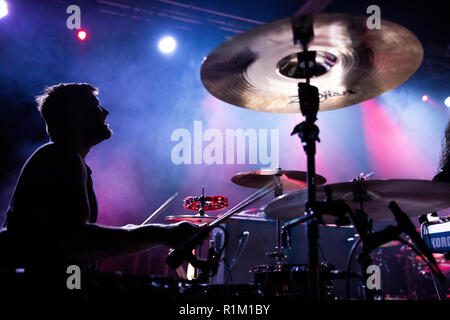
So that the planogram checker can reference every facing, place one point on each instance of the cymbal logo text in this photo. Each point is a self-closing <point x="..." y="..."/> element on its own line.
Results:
<point x="323" y="96"/>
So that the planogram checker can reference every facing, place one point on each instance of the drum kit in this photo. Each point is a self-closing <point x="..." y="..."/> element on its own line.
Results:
<point x="309" y="64"/>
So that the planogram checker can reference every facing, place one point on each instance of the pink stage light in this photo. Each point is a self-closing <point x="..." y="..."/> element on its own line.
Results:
<point x="82" y="35"/>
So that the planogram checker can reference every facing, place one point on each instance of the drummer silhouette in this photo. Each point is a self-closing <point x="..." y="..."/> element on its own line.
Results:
<point x="51" y="217"/>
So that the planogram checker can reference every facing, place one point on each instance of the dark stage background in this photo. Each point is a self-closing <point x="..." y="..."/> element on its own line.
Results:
<point x="150" y="95"/>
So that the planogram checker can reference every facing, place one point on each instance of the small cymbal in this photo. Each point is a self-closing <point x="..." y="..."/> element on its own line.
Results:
<point x="194" y="218"/>
<point x="289" y="179"/>
<point x="247" y="215"/>
<point x="414" y="197"/>
<point x="254" y="214"/>
<point x="258" y="69"/>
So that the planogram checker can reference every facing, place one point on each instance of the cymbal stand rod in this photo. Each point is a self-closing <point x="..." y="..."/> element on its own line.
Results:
<point x="201" y="210"/>
<point x="279" y="255"/>
<point x="198" y="249"/>
<point x="308" y="132"/>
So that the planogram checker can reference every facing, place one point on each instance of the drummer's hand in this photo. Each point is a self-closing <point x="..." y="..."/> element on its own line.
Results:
<point x="180" y="232"/>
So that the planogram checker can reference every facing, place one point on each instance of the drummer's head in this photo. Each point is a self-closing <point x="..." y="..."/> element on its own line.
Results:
<point x="72" y="113"/>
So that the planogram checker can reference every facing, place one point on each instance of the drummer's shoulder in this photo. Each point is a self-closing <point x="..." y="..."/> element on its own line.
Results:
<point x="52" y="154"/>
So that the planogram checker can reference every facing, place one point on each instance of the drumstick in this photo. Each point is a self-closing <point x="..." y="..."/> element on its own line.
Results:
<point x="160" y="209"/>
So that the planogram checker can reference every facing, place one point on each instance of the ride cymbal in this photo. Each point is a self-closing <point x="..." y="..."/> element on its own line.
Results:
<point x="414" y="197"/>
<point x="289" y="179"/>
<point x="258" y="69"/>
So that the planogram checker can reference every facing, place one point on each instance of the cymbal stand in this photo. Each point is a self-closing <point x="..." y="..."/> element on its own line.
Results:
<point x="309" y="133"/>
<point x="278" y="252"/>
<point x="201" y="210"/>
<point x="363" y="225"/>
<point x="198" y="249"/>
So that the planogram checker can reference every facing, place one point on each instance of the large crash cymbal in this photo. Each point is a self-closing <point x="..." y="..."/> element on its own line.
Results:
<point x="414" y="197"/>
<point x="257" y="69"/>
<point x="289" y="179"/>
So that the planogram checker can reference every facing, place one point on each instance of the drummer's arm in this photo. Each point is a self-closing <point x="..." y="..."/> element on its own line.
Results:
<point x="97" y="241"/>
<point x="78" y="239"/>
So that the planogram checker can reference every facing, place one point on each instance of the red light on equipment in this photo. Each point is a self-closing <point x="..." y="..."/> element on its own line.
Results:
<point x="424" y="97"/>
<point x="82" y="35"/>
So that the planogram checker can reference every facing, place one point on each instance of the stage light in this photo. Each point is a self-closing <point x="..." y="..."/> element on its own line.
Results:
<point x="447" y="102"/>
<point x="425" y="97"/>
<point x="3" y="9"/>
<point x="82" y="35"/>
<point x="167" y="45"/>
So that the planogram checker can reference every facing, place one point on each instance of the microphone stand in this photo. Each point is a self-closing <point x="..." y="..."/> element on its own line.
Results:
<point x="363" y="224"/>
<point x="373" y="240"/>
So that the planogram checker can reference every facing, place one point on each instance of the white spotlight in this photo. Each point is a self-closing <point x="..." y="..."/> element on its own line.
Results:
<point x="447" y="102"/>
<point x="167" y="45"/>
<point x="3" y="9"/>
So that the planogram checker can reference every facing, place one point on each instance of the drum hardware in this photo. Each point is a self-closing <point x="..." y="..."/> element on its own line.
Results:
<point x="308" y="95"/>
<point x="292" y="279"/>
<point x="242" y="243"/>
<point x="206" y="268"/>
<point x="289" y="179"/>
<point x="278" y="254"/>
<point x="338" y="209"/>
<point x="195" y="218"/>
<point x="202" y="203"/>
<point x="202" y="268"/>
<point x="259" y="69"/>
<point x="254" y="214"/>
<point x="351" y="64"/>
<point x="245" y="215"/>
<point x="415" y="263"/>
<point x="184" y="252"/>
<point x="372" y="240"/>
<point x="414" y="196"/>
<point x="409" y="229"/>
